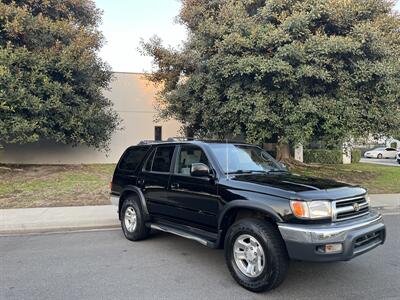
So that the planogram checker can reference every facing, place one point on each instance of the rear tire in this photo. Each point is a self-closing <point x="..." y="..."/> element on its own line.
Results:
<point x="132" y="220"/>
<point x="268" y="274"/>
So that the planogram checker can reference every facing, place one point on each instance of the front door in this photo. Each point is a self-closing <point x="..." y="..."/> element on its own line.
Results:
<point x="195" y="198"/>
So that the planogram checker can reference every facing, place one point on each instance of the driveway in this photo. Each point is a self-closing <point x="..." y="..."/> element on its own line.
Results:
<point x="104" y="265"/>
<point x="383" y="161"/>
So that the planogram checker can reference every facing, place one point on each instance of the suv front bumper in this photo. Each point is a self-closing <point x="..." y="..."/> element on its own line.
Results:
<point x="356" y="236"/>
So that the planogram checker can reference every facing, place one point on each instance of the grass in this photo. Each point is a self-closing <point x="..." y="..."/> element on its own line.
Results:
<point x="378" y="179"/>
<point x="73" y="185"/>
<point x="43" y="186"/>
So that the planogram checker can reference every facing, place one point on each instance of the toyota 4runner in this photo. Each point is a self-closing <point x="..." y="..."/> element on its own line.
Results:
<point x="235" y="196"/>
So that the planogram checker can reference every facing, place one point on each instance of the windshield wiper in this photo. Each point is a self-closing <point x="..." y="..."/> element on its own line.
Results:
<point x="246" y="172"/>
<point x="277" y="171"/>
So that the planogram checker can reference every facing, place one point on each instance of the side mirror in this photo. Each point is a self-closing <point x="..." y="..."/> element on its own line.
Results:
<point x="199" y="170"/>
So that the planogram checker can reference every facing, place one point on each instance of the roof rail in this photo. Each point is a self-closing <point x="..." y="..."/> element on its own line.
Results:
<point x="179" y="139"/>
<point x="145" y="142"/>
<point x="186" y="139"/>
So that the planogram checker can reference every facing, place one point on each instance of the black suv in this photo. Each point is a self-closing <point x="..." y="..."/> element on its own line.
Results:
<point x="235" y="196"/>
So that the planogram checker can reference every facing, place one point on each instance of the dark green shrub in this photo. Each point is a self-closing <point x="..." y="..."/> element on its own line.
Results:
<point x="393" y="145"/>
<point x="322" y="156"/>
<point x="355" y="156"/>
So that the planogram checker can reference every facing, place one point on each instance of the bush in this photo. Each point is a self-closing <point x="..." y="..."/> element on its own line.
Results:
<point x="322" y="156"/>
<point x="355" y="156"/>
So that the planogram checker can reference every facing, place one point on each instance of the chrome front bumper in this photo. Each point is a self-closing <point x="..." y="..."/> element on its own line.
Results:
<point x="302" y="240"/>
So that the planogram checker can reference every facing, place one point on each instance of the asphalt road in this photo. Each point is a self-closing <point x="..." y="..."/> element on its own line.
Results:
<point x="383" y="161"/>
<point x="104" y="265"/>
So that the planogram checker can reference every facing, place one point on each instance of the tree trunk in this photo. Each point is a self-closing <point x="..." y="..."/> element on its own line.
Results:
<point x="283" y="151"/>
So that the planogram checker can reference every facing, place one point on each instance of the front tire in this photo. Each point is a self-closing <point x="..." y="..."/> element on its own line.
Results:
<point x="379" y="156"/>
<point x="132" y="220"/>
<point x="256" y="255"/>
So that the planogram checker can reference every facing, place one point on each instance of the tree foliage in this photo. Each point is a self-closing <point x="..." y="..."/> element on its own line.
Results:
<point x="300" y="69"/>
<point x="51" y="79"/>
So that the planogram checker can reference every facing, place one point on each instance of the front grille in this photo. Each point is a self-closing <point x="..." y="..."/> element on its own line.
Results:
<point x="346" y="209"/>
<point x="369" y="239"/>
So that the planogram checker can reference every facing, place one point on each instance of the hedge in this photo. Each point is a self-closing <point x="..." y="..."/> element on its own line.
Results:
<point x="322" y="156"/>
<point x="355" y="156"/>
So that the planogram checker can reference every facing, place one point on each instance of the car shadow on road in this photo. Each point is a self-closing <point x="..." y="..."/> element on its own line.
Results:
<point x="313" y="279"/>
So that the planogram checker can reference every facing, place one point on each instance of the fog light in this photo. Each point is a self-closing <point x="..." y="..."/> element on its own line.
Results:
<point x="333" y="248"/>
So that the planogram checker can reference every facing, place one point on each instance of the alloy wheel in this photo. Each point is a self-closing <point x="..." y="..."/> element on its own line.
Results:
<point x="249" y="255"/>
<point x="130" y="219"/>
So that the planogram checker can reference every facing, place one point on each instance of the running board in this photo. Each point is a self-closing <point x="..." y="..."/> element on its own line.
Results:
<point x="184" y="234"/>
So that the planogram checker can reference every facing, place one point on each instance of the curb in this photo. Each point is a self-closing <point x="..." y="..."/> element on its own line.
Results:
<point x="55" y="230"/>
<point x="52" y="219"/>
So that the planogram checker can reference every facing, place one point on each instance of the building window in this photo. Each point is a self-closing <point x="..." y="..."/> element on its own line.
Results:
<point x="157" y="133"/>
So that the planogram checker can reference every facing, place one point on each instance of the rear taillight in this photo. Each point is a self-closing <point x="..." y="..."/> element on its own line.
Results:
<point x="110" y="186"/>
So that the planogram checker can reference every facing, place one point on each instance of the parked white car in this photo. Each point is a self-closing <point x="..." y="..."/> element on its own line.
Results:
<point x="381" y="153"/>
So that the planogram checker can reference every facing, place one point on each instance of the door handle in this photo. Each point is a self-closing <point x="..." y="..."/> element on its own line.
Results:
<point x="140" y="181"/>
<point x="174" y="185"/>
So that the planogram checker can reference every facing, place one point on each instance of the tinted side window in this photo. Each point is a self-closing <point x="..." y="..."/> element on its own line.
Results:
<point x="162" y="159"/>
<point x="149" y="162"/>
<point x="132" y="158"/>
<point x="188" y="156"/>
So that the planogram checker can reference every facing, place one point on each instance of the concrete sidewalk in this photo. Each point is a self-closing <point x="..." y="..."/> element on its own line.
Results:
<point x="48" y="219"/>
<point x="386" y="201"/>
<point x="27" y="220"/>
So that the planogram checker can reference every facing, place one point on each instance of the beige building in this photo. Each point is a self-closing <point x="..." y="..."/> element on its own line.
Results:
<point x="133" y="97"/>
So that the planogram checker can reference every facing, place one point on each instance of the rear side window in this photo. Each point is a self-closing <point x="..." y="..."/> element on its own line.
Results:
<point x="132" y="158"/>
<point x="149" y="162"/>
<point x="162" y="159"/>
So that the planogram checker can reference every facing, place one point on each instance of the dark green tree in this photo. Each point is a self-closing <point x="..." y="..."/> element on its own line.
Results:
<point x="51" y="78"/>
<point x="299" y="69"/>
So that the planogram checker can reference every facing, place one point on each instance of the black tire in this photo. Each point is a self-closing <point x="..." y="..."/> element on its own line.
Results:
<point x="140" y="231"/>
<point x="379" y="156"/>
<point x="277" y="262"/>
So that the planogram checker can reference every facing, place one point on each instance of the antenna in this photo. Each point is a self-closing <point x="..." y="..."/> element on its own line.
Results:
<point x="227" y="157"/>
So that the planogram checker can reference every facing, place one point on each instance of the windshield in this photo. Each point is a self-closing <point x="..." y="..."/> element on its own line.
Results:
<point x="244" y="159"/>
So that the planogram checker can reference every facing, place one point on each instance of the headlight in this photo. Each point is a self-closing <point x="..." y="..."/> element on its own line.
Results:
<point x="311" y="209"/>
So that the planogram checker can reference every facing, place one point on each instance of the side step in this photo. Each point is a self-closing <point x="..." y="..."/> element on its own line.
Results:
<point x="183" y="233"/>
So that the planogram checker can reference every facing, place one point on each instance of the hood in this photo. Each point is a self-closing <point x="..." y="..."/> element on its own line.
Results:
<point x="304" y="187"/>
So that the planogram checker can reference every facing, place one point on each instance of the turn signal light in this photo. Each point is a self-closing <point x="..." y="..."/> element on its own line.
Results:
<point x="299" y="209"/>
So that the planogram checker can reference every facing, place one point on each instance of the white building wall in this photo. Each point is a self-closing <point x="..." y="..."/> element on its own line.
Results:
<point x="133" y="98"/>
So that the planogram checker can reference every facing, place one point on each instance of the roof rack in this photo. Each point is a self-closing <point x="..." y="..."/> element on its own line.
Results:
<point x="186" y="139"/>
<point x="179" y="139"/>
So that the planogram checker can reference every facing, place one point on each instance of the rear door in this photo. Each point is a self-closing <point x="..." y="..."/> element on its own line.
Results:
<point x="154" y="178"/>
<point x="390" y="152"/>
<point x="127" y="168"/>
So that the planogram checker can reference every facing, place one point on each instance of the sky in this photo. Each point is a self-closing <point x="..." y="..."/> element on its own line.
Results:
<point x="125" y="22"/>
